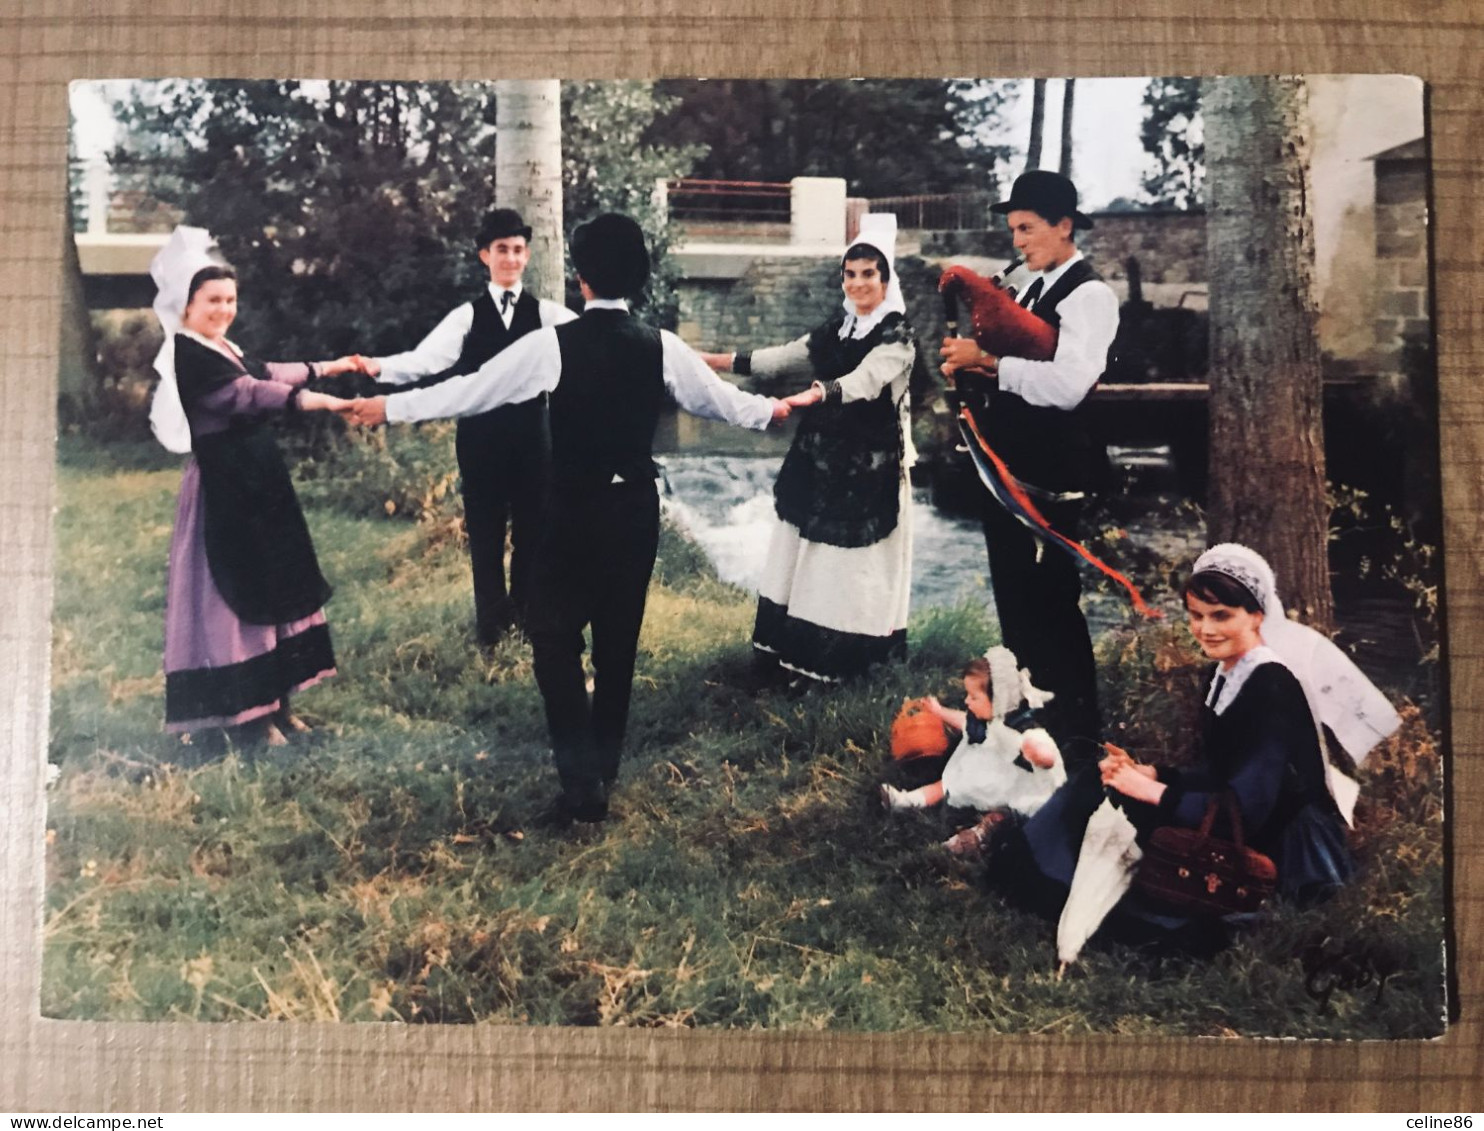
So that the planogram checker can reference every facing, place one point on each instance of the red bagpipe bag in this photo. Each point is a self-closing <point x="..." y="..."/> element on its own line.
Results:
<point x="1001" y="325"/>
<point x="917" y="733"/>
<point x="1005" y="329"/>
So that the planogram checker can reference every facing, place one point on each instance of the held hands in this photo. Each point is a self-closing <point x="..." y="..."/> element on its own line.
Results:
<point x="781" y="410"/>
<point x="309" y="401"/>
<point x="368" y="412"/>
<point x="721" y="362"/>
<point x="350" y="363"/>
<point x="810" y="396"/>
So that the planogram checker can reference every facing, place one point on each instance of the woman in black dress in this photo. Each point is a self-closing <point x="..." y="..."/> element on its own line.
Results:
<point x="1260" y="740"/>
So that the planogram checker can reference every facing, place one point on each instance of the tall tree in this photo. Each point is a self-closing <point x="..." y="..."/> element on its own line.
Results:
<point x="1038" y="124"/>
<point x="1174" y="137"/>
<point x="885" y="137"/>
<point x="1267" y="441"/>
<point x="528" y="172"/>
<point x="1068" y="98"/>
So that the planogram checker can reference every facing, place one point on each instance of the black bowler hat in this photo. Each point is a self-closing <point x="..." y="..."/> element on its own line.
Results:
<point x="502" y="224"/>
<point x="609" y="253"/>
<point x="1050" y="195"/>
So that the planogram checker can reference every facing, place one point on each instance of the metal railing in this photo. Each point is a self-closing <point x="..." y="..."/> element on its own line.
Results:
<point x="951" y="211"/>
<point x="692" y="200"/>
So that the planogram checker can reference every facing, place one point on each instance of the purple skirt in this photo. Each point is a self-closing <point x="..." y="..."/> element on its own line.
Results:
<point x="220" y="671"/>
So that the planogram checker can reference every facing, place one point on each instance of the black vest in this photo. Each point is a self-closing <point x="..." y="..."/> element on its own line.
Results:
<point x="487" y="336"/>
<point x="1046" y="447"/>
<point x="607" y="403"/>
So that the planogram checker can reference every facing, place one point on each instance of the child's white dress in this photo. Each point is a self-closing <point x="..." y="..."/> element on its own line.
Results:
<point x="987" y="771"/>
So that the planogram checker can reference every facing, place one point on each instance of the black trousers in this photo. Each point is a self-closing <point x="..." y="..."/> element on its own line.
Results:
<point x="595" y="562"/>
<point x="1041" y="620"/>
<point x="503" y="466"/>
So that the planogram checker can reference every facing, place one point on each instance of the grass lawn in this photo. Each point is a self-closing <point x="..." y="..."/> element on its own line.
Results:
<point x="388" y="867"/>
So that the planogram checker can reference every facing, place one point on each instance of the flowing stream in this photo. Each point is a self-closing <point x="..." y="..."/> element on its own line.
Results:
<point x="726" y="504"/>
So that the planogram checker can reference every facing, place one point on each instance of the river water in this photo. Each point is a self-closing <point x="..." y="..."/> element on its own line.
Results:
<point x="726" y="504"/>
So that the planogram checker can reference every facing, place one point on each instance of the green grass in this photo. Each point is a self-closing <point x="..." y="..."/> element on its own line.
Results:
<point x="388" y="868"/>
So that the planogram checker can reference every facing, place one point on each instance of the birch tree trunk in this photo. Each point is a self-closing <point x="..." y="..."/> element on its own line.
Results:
<point x="528" y="172"/>
<point x="1038" y="124"/>
<point x="1069" y="94"/>
<point x="1267" y="436"/>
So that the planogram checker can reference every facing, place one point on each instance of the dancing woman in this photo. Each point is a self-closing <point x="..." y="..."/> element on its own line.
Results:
<point x="833" y="596"/>
<point x="244" y="624"/>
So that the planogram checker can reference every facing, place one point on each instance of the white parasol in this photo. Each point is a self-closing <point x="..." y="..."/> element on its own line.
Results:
<point x="1105" y="869"/>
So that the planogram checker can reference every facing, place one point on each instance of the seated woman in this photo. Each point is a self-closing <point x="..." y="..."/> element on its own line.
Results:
<point x="244" y="627"/>
<point x="834" y="591"/>
<point x="1260" y="739"/>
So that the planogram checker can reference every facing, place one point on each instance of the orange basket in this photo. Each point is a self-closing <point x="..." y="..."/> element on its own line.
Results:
<point x="916" y="732"/>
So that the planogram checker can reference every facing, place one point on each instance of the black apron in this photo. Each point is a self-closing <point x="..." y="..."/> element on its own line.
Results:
<point x="841" y="479"/>
<point x="257" y="542"/>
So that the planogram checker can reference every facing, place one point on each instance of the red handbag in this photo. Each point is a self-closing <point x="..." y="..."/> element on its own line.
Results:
<point x="1192" y="871"/>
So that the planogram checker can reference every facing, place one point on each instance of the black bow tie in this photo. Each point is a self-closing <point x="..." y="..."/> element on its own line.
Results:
<point x="509" y="297"/>
<point x="1032" y="293"/>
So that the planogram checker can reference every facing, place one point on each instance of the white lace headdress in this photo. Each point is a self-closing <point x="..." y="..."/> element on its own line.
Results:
<point x="1340" y="696"/>
<point x="187" y="251"/>
<point x="1010" y="685"/>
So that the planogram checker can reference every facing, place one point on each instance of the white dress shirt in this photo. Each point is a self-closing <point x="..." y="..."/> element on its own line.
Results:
<point x="532" y="365"/>
<point x="1089" y="321"/>
<point x="441" y="348"/>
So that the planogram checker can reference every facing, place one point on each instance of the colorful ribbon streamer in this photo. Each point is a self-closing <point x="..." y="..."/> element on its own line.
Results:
<point x="1011" y="494"/>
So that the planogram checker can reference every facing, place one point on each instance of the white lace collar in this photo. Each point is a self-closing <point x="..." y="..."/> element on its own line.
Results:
<point x="1228" y="683"/>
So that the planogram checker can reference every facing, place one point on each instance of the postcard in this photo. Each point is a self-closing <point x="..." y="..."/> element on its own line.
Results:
<point x="886" y="555"/>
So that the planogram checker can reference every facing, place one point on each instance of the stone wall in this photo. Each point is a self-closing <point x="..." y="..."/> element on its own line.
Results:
<point x="1402" y="307"/>
<point x="773" y="301"/>
<point x="1170" y="246"/>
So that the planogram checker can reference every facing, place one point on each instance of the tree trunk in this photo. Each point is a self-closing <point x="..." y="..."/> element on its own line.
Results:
<point x="528" y="172"/>
<point x="1038" y="122"/>
<point x="1069" y="93"/>
<point x="1267" y="438"/>
<point x="77" y="365"/>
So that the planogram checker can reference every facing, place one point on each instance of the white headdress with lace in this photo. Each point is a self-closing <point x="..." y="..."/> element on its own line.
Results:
<point x="878" y="230"/>
<point x="1340" y="696"/>
<point x="187" y="251"/>
<point x="1010" y="685"/>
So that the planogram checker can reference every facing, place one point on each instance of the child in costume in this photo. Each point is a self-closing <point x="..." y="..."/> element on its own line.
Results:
<point x="1003" y="759"/>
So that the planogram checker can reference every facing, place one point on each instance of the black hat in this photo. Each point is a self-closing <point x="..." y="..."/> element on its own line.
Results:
<point x="1050" y="195"/>
<point x="501" y="224"/>
<point x="609" y="253"/>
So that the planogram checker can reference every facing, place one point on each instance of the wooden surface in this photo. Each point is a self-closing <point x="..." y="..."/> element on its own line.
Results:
<point x="57" y="1067"/>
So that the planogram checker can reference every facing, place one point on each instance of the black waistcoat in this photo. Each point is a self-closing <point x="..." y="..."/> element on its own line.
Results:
<point x="607" y="402"/>
<point x="1046" y="447"/>
<point x="487" y="336"/>
<point x="257" y="543"/>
